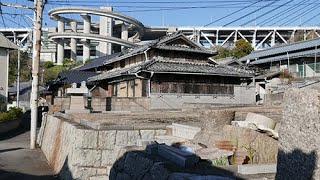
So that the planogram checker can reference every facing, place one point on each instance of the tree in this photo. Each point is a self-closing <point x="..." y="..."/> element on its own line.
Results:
<point x="25" y="67"/>
<point x="223" y="52"/>
<point x="241" y="49"/>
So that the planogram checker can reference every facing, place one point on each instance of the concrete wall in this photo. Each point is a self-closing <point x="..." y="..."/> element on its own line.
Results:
<point x="4" y="64"/>
<point x="130" y="104"/>
<point x="242" y="96"/>
<point x="77" y="152"/>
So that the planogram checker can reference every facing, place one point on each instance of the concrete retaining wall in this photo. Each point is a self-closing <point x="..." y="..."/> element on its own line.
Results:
<point x="243" y="95"/>
<point x="130" y="104"/>
<point x="77" y="152"/>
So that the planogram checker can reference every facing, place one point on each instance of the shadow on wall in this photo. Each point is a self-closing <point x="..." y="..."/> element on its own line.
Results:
<point x="65" y="172"/>
<point x="296" y="165"/>
<point x="141" y="165"/>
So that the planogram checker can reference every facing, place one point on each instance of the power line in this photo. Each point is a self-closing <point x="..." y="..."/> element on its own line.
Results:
<point x="308" y="11"/>
<point x="262" y="15"/>
<point x="289" y="15"/>
<point x="231" y="14"/>
<point x="309" y="19"/>
<point x="268" y="20"/>
<point x="248" y="14"/>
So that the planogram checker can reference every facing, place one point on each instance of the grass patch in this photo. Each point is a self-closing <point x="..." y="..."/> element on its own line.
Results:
<point x="222" y="161"/>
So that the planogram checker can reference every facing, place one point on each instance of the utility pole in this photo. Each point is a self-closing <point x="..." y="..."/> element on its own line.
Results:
<point x="18" y="79"/>
<point x="35" y="71"/>
<point x="38" y="10"/>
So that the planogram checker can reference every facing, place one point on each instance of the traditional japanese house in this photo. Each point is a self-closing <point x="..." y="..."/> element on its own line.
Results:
<point x="169" y="73"/>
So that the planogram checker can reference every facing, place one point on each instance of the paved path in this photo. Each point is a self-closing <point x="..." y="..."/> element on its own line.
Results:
<point x="18" y="162"/>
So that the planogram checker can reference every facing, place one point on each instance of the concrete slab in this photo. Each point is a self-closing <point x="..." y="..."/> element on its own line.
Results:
<point x="257" y="169"/>
<point x="71" y="111"/>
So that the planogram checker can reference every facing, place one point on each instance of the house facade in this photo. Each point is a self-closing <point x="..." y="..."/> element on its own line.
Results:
<point x="299" y="58"/>
<point x="170" y="73"/>
<point x="5" y="46"/>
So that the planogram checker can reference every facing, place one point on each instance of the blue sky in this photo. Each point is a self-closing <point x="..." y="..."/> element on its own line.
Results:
<point x="187" y="12"/>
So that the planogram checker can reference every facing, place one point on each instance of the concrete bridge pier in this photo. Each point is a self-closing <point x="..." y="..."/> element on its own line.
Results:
<point x="106" y="29"/>
<point x="73" y="43"/>
<point x="86" y="30"/>
<point x="124" y="33"/>
<point x="60" y="42"/>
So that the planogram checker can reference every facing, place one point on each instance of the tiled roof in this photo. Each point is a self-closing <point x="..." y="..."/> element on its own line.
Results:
<point x="163" y="66"/>
<point x="160" y="44"/>
<point x="284" y="57"/>
<point x="177" y="48"/>
<point x="74" y="76"/>
<point x="130" y="70"/>
<point x="267" y="75"/>
<point x="227" y="61"/>
<point x="273" y="51"/>
<point x="97" y="62"/>
<point x="166" y="66"/>
<point x="23" y="86"/>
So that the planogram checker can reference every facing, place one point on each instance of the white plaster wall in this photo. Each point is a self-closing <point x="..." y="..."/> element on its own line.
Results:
<point x="4" y="75"/>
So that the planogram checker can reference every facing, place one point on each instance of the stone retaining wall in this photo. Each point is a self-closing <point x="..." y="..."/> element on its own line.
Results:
<point x="77" y="152"/>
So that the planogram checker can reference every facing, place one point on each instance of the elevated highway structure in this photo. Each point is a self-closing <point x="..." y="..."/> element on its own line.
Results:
<point x="259" y="37"/>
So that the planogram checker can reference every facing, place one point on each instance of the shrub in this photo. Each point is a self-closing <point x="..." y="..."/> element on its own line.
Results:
<point x="286" y="75"/>
<point x="48" y="64"/>
<point x="13" y="113"/>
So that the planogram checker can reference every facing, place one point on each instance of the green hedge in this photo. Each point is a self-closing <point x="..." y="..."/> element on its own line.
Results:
<point x="13" y="113"/>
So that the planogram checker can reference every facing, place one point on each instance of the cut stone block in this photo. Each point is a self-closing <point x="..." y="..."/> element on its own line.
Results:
<point x="122" y="138"/>
<point x="86" y="157"/>
<point x="147" y="134"/>
<point x="257" y="169"/>
<point x="86" y="138"/>
<point x="261" y="120"/>
<point x="184" y="131"/>
<point x="107" y="139"/>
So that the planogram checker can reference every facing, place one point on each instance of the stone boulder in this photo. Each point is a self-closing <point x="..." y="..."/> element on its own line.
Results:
<point x="263" y="147"/>
<point x="212" y="122"/>
<point x="299" y="138"/>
